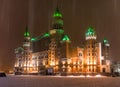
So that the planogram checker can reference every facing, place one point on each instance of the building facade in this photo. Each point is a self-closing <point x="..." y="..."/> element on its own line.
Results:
<point x="53" y="53"/>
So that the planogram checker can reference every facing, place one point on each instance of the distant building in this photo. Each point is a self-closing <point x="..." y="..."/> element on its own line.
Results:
<point x="52" y="52"/>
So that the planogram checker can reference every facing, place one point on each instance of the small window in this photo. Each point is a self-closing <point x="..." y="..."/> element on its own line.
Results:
<point x="103" y="62"/>
<point x="80" y="54"/>
<point x="103" y="70"/>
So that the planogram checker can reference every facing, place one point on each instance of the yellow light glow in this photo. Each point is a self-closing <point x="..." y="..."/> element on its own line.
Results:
<point x="25" y="65"/>
<point x="56" y="63"/>
<point x="63" y="66"/>
<point x="74" y="63"/>
<point x="52" y="63"/>
<point x="74" y="67"/>
<point x="30" y="65"/>
<point x="94" y="62"/>
<point x="63" y="62"/>
<point x="69" y="70"/>
<point x="88" y="76"/>
<point x="98" y="76"/>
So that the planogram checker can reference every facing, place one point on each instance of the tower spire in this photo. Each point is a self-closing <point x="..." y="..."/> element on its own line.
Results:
<point x="26" y="34"/>
<point x="90" y="34"/>
<point x="57" y="19"/>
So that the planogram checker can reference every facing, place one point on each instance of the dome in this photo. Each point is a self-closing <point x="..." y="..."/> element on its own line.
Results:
<point x="90" y="31"/>
<point x="90" y="34"/>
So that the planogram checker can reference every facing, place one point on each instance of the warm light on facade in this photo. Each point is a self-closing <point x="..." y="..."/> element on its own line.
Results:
<point x="95" y="62"/>
<point x="74" y="63"/>
<point x="63" y="66"/>
<point x="63" y="62"/>
<point x="69" y="61"/>
<point x="52" y="63"/>
<point x="56" y="51"/>
<point x="57" y="63"/>
<point x="69" y="69"/>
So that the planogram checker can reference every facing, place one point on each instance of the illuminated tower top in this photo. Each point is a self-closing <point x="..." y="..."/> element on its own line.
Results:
<point x="106" y="43"/>
<point x="57" y="13"/>
<point x="26" y="34"/>
<point x="26" y="42"/>
<point x="90" y="34"/>
<point x="57" y="20"/>
<point x="66" y="38"/>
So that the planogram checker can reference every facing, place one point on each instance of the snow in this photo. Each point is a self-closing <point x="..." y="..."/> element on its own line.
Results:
<point x="58" y="81"/>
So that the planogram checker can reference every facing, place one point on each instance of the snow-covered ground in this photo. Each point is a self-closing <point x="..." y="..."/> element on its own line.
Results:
<point x="58" y="81"/>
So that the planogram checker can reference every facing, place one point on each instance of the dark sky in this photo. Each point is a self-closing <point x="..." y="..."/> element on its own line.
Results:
<point x="78" y="15"/>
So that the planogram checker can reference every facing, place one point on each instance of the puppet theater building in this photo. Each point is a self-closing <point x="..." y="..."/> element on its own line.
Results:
<point x="52" y="52"/>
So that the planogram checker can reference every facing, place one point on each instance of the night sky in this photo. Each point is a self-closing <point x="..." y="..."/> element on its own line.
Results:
<point x="78" y="15"/>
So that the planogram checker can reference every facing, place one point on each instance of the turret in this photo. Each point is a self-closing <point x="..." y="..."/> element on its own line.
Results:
<point x="106" y="46"/>
<point x="90" y="50"/>
<point x="27" y="57"/>
<point x="57" y="20"/>
<point x="26" y="43"/>
<point x="90" y="34"/>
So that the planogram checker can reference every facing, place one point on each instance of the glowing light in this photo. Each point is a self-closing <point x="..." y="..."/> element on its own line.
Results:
<point x="105" y="41"/>
<point x="60" y="31"/>
<point x="63" y="62"/>
<point x="69" y="61"/>
<point x="98" y="76"/>
<point x="65" y="38"/>
<point x="52" y="31"/>
<point x="56" y="63"/>
<point x="30" y="65"/>
<point x="88" y="76"/>
<point x="63" y="66"/>
<point x="94" y="62"/>
<point x="57" y="13"/>
<point x="74" y="63"/>
<point x="81" y="76"/>
<point x="46" y="35"/>
<point x="33" y="39"/>
<point x="52" y="63"/>
<point x="26" y="34"/>
<point x="90" y="34"/>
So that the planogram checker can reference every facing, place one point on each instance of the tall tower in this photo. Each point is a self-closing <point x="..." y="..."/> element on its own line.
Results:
<point x="105" y="50"/>
<point x="56" y="34"/>
<point x="57" y="23"/>
<point x="65" y="46"/>
<point x="27" y="57"/>
<point x="105" y="53"/>
<point x="90" y="61"/>
<point x="59" y="41"/>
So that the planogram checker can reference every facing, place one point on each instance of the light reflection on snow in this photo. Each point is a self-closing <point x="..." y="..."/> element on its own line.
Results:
<point x="82" y="76"/>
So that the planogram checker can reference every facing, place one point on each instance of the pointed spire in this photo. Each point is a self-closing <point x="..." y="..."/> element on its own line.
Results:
<point x="90" y="31"/>
<point x="90" y="34"/>
<point x="57" y="19"/>
<point x="57" y="13"/>
<point x="105" y="41"/>
<point x="65" y="38"/>
<point x="26" y="34"/>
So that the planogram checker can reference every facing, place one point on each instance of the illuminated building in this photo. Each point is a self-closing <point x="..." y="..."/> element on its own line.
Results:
<point x="52" y="52"/>
<point x="24" y="55"/>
